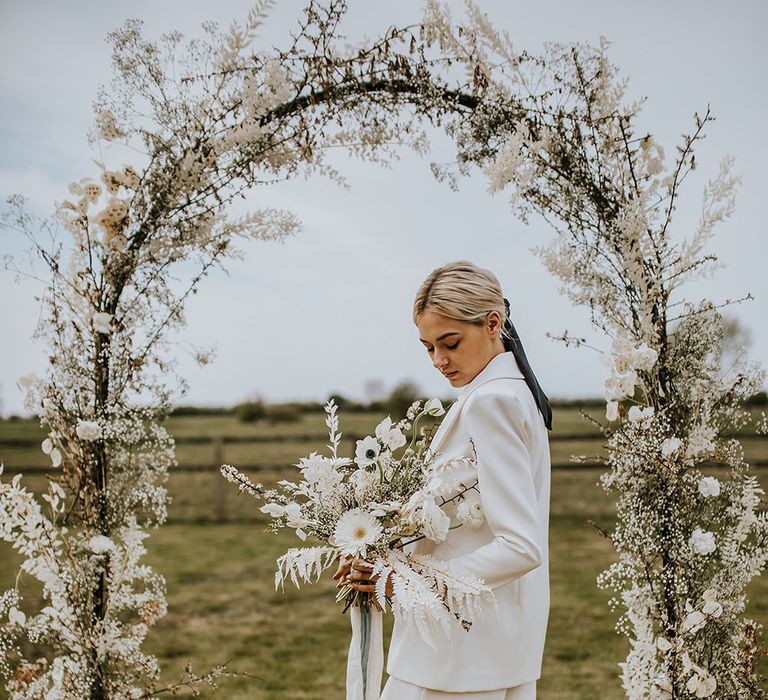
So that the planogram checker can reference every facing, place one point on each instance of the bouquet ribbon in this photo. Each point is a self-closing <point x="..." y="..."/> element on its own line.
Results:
<point x="365" y="660"/>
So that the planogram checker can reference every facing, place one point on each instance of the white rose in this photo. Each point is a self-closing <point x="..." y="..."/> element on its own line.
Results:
<point x="100" y="544"/>
<point x="702" y="542"/>
<point x="88" y="430"/>
<point x="670" y="446"/>
<point x="709" y="486"/>
<point x="434" y="408"/>
<point x="435" y="521"/>
<point x="612" y="410"/>
<point x="470" y="512"/>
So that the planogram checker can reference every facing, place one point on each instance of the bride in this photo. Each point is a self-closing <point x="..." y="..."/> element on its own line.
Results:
<point x="502" y="416"/>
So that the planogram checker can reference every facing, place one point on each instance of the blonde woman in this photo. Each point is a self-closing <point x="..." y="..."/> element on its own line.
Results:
<point x="502" y="417"/>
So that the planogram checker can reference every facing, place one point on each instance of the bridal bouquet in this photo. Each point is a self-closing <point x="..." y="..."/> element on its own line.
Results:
<point x="390" y="495"/>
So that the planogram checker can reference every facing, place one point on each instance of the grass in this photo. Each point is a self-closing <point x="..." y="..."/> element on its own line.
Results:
<point x="218" y="561"/>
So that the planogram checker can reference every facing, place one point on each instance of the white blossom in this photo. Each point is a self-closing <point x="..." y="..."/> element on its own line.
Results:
<point x="99" y="544"/>
<point x="702" y="542"/>
<point x="709" y="486"/>
<point x="88" y="430"/>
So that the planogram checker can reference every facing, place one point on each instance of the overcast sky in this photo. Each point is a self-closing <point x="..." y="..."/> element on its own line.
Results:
<point x="330" y="308"/>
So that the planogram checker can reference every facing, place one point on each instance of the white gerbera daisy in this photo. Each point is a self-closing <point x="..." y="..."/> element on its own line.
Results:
<point x="356" y="530"/>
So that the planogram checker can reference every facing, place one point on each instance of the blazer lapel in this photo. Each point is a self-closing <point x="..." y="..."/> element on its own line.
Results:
<point x="503" y="365"/>
<point x="448" y="420"/>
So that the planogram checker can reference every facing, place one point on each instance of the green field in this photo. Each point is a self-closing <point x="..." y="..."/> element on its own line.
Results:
<point x="219" y="564"/>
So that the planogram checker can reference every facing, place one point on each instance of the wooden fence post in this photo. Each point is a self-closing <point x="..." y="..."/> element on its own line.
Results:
<point x="221" y="485"/>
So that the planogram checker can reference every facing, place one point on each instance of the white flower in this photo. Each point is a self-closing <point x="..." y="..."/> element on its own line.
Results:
<point x="636" y="413"/>
<point x="670" y="446"/>
<point x="101" y="321"/>
<point x="384" y="508"/>
<point x="389" y="436"/>
<point x="355" y="531"/>
<point x="47" y="446"/>
<point x="627" y="383"/>
<point x="274" y="509"/>
<point x="663" y="644"/>
<point x="701" y="684"/>
<point x="55" y="456"/>
<point x="367" y="451"/>
<point x="27" y="381"/>
<point x="319" y="472"/>
<point x="700" y="441"/>
<point x="434" y="520"/>
<point x="88" y="430"/>
<point x="295" y="519"/>
<point x="709" y="486"/>
<point x="694" y="621"/>
<point x="711" y="606"/>
<point x="643" y="357"/>
<point x="702" y="542"/>
<point x="612" y="410"/>
<point x="470" y="512"/>
<point x="434" y="408"/>
<point x="16" y="617"/>
<point x="100" y="544"/>
<point x="363" y="480"/>
<point x="662" y="687"/>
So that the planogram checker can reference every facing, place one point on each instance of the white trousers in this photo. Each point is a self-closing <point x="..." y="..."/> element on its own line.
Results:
<point x="395" y="689"/>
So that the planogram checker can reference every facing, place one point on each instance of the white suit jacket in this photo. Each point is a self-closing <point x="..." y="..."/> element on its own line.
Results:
<point x="509" y="551"/>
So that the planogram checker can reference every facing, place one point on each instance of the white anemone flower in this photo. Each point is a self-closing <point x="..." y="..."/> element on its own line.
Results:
<point x="367" y="451"/>
<point x="356" y="530"/>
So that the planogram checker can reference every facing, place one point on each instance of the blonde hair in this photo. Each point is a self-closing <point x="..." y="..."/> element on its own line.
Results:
<point x="461" y="291"/>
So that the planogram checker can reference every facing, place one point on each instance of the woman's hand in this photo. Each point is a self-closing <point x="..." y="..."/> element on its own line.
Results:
<point x="357" y="574"/>
<point x="345" y="565"/>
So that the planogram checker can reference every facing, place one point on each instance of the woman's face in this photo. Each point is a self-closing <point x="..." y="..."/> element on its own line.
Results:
<point x="459" y="350"/>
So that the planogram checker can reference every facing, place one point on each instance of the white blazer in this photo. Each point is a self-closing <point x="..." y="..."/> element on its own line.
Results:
<point x="497" y="411"/>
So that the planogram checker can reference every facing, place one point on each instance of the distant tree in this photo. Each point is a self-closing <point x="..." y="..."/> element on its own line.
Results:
<point x="250" y="411"/>
<point x="401" y="397"/>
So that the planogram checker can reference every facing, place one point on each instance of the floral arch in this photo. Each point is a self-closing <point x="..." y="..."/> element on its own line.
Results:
<point x="214" y="117"/>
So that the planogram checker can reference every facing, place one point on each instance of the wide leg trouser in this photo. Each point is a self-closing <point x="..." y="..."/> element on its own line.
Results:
<point x="395" y="689"/>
